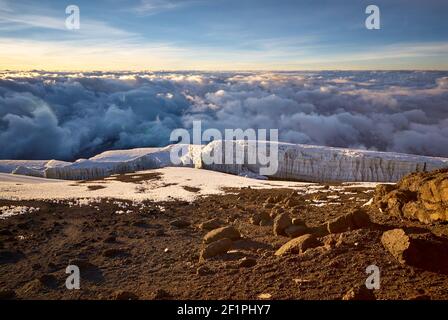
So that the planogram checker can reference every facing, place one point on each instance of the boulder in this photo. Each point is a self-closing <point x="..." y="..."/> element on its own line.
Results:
<point x="281" y="222"/>
<point x="421" y="196"/>
<point x="298" y="245"/>
<point x="215" y="248"/>
<point x="424" y="251"/>
<point x="356" y="219"/>
<point x="382" y="189"/>
<point x="399" y="245"/>
<point x="228" y="232"/>
<point x="211" y="224"/>
<point x="294" y="231"/>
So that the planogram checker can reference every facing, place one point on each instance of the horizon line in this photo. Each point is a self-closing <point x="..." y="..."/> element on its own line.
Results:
<point x="219" y="70"/>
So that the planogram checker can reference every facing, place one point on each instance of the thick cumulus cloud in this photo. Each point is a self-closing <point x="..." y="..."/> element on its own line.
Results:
<point x="72" y="115"/>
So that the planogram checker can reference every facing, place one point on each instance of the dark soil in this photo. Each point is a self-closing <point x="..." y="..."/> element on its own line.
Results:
<point x="141" y="254"/>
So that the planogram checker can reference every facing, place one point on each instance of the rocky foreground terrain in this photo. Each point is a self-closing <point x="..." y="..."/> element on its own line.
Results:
<point x="244" y="244"/>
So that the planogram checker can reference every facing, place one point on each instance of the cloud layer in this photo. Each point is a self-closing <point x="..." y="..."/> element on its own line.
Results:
<point x="71" y="115"/>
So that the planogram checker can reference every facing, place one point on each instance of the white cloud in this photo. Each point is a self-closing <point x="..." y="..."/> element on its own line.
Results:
<point x="71" y="115"/>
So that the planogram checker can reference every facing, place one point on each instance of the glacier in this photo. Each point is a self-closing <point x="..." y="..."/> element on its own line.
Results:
<point x="295" y="162"/>
<point x="328" y="164"/>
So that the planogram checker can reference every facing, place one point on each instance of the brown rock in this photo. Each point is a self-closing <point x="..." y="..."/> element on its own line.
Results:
<point x="412" y="250"/>
<point x="257" y="218"/>
<point x="228" y="232"/>
<point x="381" y="190"/>
<point x="422" y="196"/>
<point x="211" y="224"/>
<point x="294" y="231"/>
<point x="356" y="219"/>
<point x="397" y="199"/>
<point x="216" y="248"/>
<point x="298" y="245"/>
<point x="281" y="222"/>
<point x="398" y="244"/>
<point x="423" y="250"/>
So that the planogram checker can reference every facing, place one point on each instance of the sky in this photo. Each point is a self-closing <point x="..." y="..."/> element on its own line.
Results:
<point x="223" y="35"/>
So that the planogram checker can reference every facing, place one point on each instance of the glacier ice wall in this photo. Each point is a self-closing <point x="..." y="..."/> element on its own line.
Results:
<point x="119" y="161"/>
<point x="326" y="164"/>
<point x="295" y="162"/>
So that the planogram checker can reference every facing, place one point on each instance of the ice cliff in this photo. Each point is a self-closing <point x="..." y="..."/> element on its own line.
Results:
<point x="319" y="164"/>
<point x="118" y="161"/>
<point x="295" y="162"/>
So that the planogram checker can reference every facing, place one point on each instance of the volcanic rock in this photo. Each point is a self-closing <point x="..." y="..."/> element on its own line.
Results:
<point x="215" y="248"/>
<point x="294" y="231"/>
<point x="422" y="196"/>
<point x="298" y="245"/>
<point x="211" y="224"/>
<point x="281" y="222"/>
<point x="228" y="232"/>
<point x="356" y="219"/>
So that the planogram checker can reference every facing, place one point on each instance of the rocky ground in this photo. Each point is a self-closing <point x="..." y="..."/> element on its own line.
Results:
<point x="245" y="244"/>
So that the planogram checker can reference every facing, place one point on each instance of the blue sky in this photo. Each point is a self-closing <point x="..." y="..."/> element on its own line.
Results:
<point x="223" y="35"/>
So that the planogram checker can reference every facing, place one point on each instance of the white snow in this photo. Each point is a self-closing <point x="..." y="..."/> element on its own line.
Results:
<point x="169" y="187"/>
<point x="9" y="211"/>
